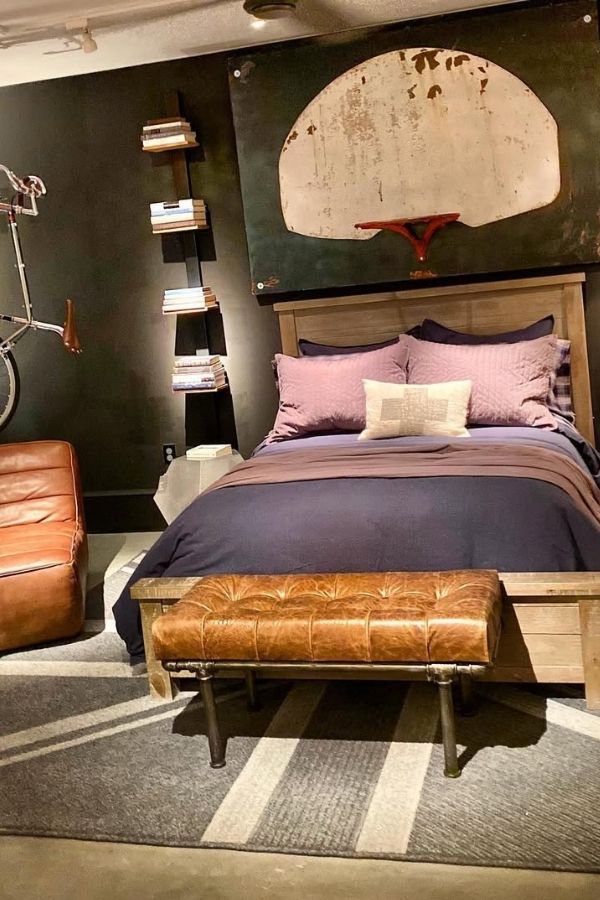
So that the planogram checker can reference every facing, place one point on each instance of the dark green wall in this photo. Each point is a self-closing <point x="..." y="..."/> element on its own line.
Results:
<point x="92" y="242"/>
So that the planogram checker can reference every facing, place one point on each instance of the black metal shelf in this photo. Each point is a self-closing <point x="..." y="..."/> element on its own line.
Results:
<point x="209" y="415"/>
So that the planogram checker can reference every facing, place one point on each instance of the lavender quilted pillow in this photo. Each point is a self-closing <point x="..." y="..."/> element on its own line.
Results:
<point x="510" y="381"/>
<point x="325" y="393"/>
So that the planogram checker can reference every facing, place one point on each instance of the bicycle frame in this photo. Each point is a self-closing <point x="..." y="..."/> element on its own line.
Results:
<point x="32" y="187"/>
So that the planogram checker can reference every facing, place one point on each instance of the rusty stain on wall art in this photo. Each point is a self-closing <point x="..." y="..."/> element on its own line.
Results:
<point x="433" y="91"/>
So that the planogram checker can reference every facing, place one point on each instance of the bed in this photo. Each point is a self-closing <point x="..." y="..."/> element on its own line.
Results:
<point x="530" y="529"/>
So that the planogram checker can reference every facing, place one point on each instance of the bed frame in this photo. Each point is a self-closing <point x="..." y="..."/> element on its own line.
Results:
<point x="551" y="622"/>
<point x="474" y="308"/>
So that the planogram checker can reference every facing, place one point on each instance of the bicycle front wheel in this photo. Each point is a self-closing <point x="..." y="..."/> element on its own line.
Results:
<point x="9" y="387"/>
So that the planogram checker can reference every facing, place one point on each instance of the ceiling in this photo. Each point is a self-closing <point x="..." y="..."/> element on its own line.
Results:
<point x="35" y="44"/>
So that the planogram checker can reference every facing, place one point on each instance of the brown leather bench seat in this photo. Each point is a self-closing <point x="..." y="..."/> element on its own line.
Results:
<point x="446" y="623"/>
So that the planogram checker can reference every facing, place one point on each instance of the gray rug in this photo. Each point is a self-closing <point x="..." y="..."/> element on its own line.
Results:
<point x="340" y="769"/>
<point x="350" y="769"/>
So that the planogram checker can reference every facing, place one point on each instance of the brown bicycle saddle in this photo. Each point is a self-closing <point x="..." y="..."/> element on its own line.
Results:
<point x="70" y="336"/>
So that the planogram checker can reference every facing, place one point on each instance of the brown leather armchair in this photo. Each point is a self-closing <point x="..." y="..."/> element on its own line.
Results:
<point x="43" y="544"/>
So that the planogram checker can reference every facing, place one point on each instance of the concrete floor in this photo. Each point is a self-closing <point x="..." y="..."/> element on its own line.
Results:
<point x="51" y="869"/>
<point x="56" y="869"/>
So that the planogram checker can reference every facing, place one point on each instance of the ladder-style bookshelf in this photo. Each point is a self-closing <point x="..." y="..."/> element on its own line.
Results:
<point x="209" y="415"/>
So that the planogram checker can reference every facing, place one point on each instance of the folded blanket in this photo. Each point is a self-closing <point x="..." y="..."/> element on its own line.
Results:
<point x="452" y="458"/>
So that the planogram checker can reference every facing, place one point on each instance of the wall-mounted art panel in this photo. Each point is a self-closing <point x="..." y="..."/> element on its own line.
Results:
<point x="448" y="147"/>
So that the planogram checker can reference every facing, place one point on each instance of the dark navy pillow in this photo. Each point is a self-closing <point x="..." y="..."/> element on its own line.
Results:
<point x="309" y="348"/>
<point x="439" y="334"/>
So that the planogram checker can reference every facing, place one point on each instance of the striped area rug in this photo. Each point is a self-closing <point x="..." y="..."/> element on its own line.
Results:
<point x="341" y="769"/>
<point x="338" y="769"/>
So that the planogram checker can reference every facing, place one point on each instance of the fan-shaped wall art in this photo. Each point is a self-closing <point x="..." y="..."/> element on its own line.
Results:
<point x="422" y="160"/>
<point x="417" y="136"/>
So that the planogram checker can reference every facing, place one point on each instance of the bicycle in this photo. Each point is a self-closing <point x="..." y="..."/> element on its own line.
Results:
<point x="32" y="187"/>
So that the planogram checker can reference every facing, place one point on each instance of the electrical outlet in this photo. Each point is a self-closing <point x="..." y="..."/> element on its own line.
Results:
<point x="169" y="453"/>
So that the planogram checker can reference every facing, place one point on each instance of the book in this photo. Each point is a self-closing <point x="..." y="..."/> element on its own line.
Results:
<point x="186" y="312"/>
<point x="208" y="451"/>
<point x="188" y="307"/>
<point x="196" y="380"/>
<point x="200" y="370"/>
<point x="197" y="215"/>
<point x="200" y="386"/>
<point x="198" y="390"/>
<point x="198" y="299"/>
<point x="165" y="218"/>
<point x="186" y="304"/>
<point x="172" y="207"/>
<point x="198" y="289"/>
<point x="198" y="360"/>
<point x="150" y="131"/>
<point x="170" y="141"/>
<point x="180" y="226"/>
<point x="168" y="135"/>
<point x="200" y="302"/>
<point x="164" y="123"/>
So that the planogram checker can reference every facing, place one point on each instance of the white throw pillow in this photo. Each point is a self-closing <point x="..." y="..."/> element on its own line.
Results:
<point x="396" y="410"/>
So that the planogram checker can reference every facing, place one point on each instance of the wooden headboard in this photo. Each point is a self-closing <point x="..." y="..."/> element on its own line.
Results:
<point x="475" y="308"/>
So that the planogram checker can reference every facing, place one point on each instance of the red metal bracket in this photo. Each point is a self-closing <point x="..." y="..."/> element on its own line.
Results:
<point x="404" y="227"/>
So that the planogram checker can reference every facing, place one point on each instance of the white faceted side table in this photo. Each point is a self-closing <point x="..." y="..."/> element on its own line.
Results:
<point x="186" y="478"/>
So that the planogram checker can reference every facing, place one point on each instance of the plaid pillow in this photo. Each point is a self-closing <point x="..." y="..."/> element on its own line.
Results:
<point x="559" y="394"/>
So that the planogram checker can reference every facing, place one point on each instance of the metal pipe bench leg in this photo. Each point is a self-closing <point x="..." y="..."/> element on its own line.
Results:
<point x="215" y="738"/>
<point x="253" y="702"/>
<point x="451" y="767"/>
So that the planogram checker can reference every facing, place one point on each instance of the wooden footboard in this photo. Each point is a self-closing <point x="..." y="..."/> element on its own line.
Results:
<point x="551" y="629"/>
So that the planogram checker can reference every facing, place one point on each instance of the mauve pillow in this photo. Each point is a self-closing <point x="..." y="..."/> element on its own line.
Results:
<point x="325" y="393"/>
<point x="510" y="381"/>
<point x="439" y="334"/>
<point x="309" y="348"/>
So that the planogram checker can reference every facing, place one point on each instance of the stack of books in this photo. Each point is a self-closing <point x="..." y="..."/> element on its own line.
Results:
<point x="167" y="134"/>
<point x="208" y="451"/>
<point x="178" y="215"/>
<point x="198" y="373"/>
<point x="180" y="301"/>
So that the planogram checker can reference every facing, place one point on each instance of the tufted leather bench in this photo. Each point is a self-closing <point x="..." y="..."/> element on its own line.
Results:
<point x="444" y="623"/>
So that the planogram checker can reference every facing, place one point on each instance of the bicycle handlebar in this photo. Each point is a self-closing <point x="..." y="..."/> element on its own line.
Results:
<point x="31" y="185"/>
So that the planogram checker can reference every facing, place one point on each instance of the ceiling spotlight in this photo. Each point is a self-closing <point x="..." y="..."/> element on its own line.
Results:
<point x="76" y="27"/>
<point x="270" y="9"/>
<point x="88" y="44"/>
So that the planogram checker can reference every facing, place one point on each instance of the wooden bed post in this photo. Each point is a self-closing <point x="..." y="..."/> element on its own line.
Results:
<point x="589" y="616"/>
<point x="155" y="595"/>
<point x="160" y="682"/>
